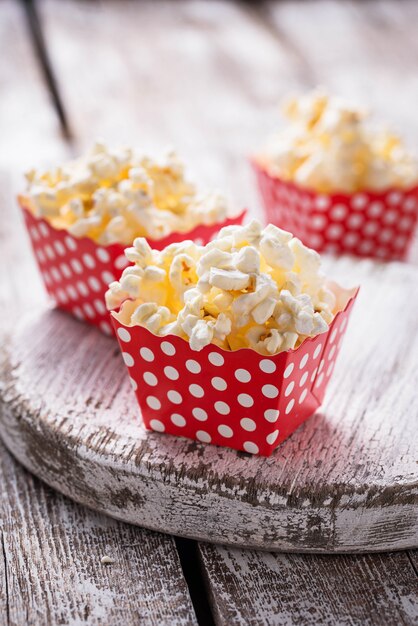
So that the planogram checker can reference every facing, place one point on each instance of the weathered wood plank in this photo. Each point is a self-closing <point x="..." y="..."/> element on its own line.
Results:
<point x="245" y="93"/>
<point x="51" y="559"/>
<point x="50" y="549"/>
<point x="253" y="588"/>
<point x="63" y="554"/>
<point x="413" y="557"/>
<point x="21" y="284"/>
<point x="29" y="134"/>
<point x="203" y="76"/>
<point x="29" y="128"/>
<point x="345" y="481"/>
<point x="349" y="44"/>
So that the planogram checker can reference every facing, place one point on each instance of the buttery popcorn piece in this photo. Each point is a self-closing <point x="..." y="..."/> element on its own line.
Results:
<point x="330" y="146"/>
<point x="113" y="196"/>
<point x="250" y="287"/>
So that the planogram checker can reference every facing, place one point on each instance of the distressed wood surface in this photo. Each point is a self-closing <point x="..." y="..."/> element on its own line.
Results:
<point x="50" y="543"/>
<point x="221" y="67"/>
<point x="345" y="481"/>
<point x="51" y="570"/>
<point x="51" y="548"/>
<point x="250" y="589"/>
<point x="28" y="126"/>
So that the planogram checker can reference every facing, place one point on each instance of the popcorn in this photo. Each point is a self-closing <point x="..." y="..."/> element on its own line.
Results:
<point x="329" y="146"/>
<point x="113" y="196"/>
<point x="151" y="316"/>
<point x="229" y="280"/>
<point x="250" y="287"/>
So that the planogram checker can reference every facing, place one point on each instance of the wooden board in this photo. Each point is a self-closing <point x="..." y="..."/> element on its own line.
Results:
<point x="248" y="588"/>
<point x="51" y="570"/>
<point x="345" y="481"/>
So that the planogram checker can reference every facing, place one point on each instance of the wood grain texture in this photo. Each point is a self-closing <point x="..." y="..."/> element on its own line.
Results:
<point x="22" y="286"/>
<point x="29" y="135"/>
<point x="184" y="81"/>
<point x="345" y="481"/>
<point x="50" y="548"/>
<point x="205" y="77"/>
<point x="29" y="129"/>
<point x="221" y="73"/>
<point x="254" y="589"/>
<point x="51" y="570"/>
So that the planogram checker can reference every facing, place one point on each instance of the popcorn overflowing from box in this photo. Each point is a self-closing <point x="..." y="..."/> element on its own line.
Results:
<point x="233" y="342"/>
<point x="81" y="216"/>
<point x="337" y="183"/>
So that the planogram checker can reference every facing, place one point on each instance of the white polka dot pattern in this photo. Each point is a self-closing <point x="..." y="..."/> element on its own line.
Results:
<point x="193" y="366"/>
<point x="174" y="396"/>
<point x="271" y="437"/>
<point x="150" y="379"/>
<point x="289" y="388"/>
<point x="202" y="435"/>
<point x="171" y="372"/>
<point x="124" y="335"/>
<point x="372" y="224"/>
<point x="248" y="424"/>
<point x="219" y="383"/>
<point x="128" y="359"/>
<point x="242" y="375"/>
<point x="77" y="271"/>
<point x="200" y="414"/>
<point x="225" y="431"/>
<point x="216" y="359"/>
<point x="168" y="348"/>
<point x="267" y="366"/>
<point x="272" y="415"/>
<point x="178" y="420"/>
<point x="153" y="403"/>
<point x="236" y="399"/>
<point x="196" y="391"/>
<point x="251" y="447"/>
<point x="245" y="400"/>
<point x="270" y="391"/>
<point x="222" y="408"/>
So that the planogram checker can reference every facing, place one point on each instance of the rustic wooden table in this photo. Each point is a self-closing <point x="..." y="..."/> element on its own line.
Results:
<point x="206" y="77"/>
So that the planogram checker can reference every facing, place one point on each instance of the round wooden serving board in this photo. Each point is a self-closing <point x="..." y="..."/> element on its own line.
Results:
<point x="345" y="481"/>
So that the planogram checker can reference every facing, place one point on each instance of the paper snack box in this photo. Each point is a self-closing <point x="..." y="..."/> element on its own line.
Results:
<point x="364" y="224"/>
<point x="238" y="399"/>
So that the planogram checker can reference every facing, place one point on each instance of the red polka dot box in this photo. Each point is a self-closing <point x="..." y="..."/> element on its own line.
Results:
<point x="240" y="399"/>
<point x="77" y="271"/>
<point x="366" y="224"/>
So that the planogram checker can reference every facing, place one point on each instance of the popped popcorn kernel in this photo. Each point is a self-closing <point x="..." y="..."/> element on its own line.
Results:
<point x="249" y="288"/>
<point x="114" y="195"/>
<point x="329" y="145"/>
